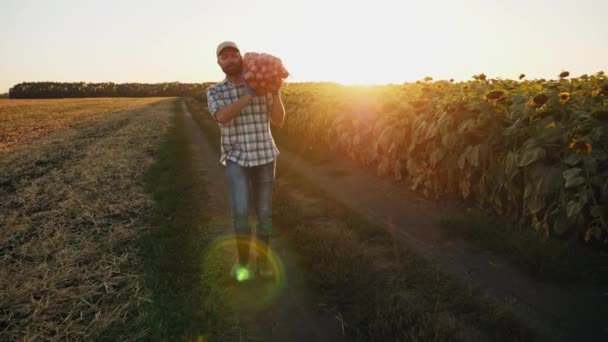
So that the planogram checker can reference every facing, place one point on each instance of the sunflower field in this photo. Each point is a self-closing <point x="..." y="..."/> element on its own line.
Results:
<point x="535" y="151"/>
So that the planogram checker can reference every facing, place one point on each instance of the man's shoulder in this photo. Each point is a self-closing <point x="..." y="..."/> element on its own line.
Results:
<point x="217" y="86"/>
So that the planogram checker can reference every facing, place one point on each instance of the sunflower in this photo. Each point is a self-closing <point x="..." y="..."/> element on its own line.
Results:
<point x="538" y="100"/>
<point x="495" y="95"/>
<point x="521" y="76"/>
<point x="480" y="77"/>
<point x="564" y="74"/>
<point x="580" y="146"/>
<point x="439" y="86"/>
<point x="564" y="97"/>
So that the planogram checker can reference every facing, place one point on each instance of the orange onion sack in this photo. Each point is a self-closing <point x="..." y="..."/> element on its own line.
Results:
<point x="263" y="72"/>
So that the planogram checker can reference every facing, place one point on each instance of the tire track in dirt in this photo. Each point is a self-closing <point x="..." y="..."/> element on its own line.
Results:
<point x="562" y="313"/>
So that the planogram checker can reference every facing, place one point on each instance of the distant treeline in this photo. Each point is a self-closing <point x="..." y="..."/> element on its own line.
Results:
<point x="4" y="96"/>
<point x="49" y="90"/>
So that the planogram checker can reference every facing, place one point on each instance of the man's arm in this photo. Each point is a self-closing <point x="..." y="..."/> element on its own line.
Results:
<point x="226" y="114"/>
<point x="277" y="113"/>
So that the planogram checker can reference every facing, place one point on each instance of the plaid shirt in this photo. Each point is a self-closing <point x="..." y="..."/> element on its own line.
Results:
<point x="246" y="139"/>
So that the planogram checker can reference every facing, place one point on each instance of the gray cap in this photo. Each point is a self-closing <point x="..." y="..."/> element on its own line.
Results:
<point x="224" y="45"/>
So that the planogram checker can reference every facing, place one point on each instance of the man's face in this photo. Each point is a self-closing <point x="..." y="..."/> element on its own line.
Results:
<point x="230" y="61"/>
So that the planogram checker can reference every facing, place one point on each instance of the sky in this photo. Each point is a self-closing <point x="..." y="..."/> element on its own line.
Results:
<point x="351" y="42"/>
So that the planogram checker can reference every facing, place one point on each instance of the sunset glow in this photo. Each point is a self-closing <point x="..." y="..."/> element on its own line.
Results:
<point x="352" y="42"/>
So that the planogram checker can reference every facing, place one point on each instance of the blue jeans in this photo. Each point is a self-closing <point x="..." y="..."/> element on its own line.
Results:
<point x="251" y="182"/>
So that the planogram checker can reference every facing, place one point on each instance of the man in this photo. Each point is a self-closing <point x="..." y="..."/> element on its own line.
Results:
<point x="249" y="153"/>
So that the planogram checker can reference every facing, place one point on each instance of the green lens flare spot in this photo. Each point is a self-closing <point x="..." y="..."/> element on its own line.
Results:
<point x="242" y="274"/>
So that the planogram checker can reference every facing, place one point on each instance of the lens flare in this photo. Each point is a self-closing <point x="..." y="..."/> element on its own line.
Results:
<point x="246" y="291"/>
<point x="242" y="274"/>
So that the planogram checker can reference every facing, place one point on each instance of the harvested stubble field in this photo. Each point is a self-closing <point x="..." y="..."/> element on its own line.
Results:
<point x="25" y="120"/>
<point x="72" y="207"/>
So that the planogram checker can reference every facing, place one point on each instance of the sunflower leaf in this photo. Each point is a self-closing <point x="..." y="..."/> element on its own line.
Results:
<point x="596" y="211"/>
<point x="572" y="177"/>
<point x="573" y="159"/>
<point x="574" y="208"/>
<point x="530" y="156"/>
<point x="535" y="203"/>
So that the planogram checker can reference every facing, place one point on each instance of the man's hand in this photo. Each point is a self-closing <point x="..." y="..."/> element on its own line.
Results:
<point x="276" y="91"/>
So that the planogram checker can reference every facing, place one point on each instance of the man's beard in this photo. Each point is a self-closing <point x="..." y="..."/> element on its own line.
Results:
<point x="233" y="69"/>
